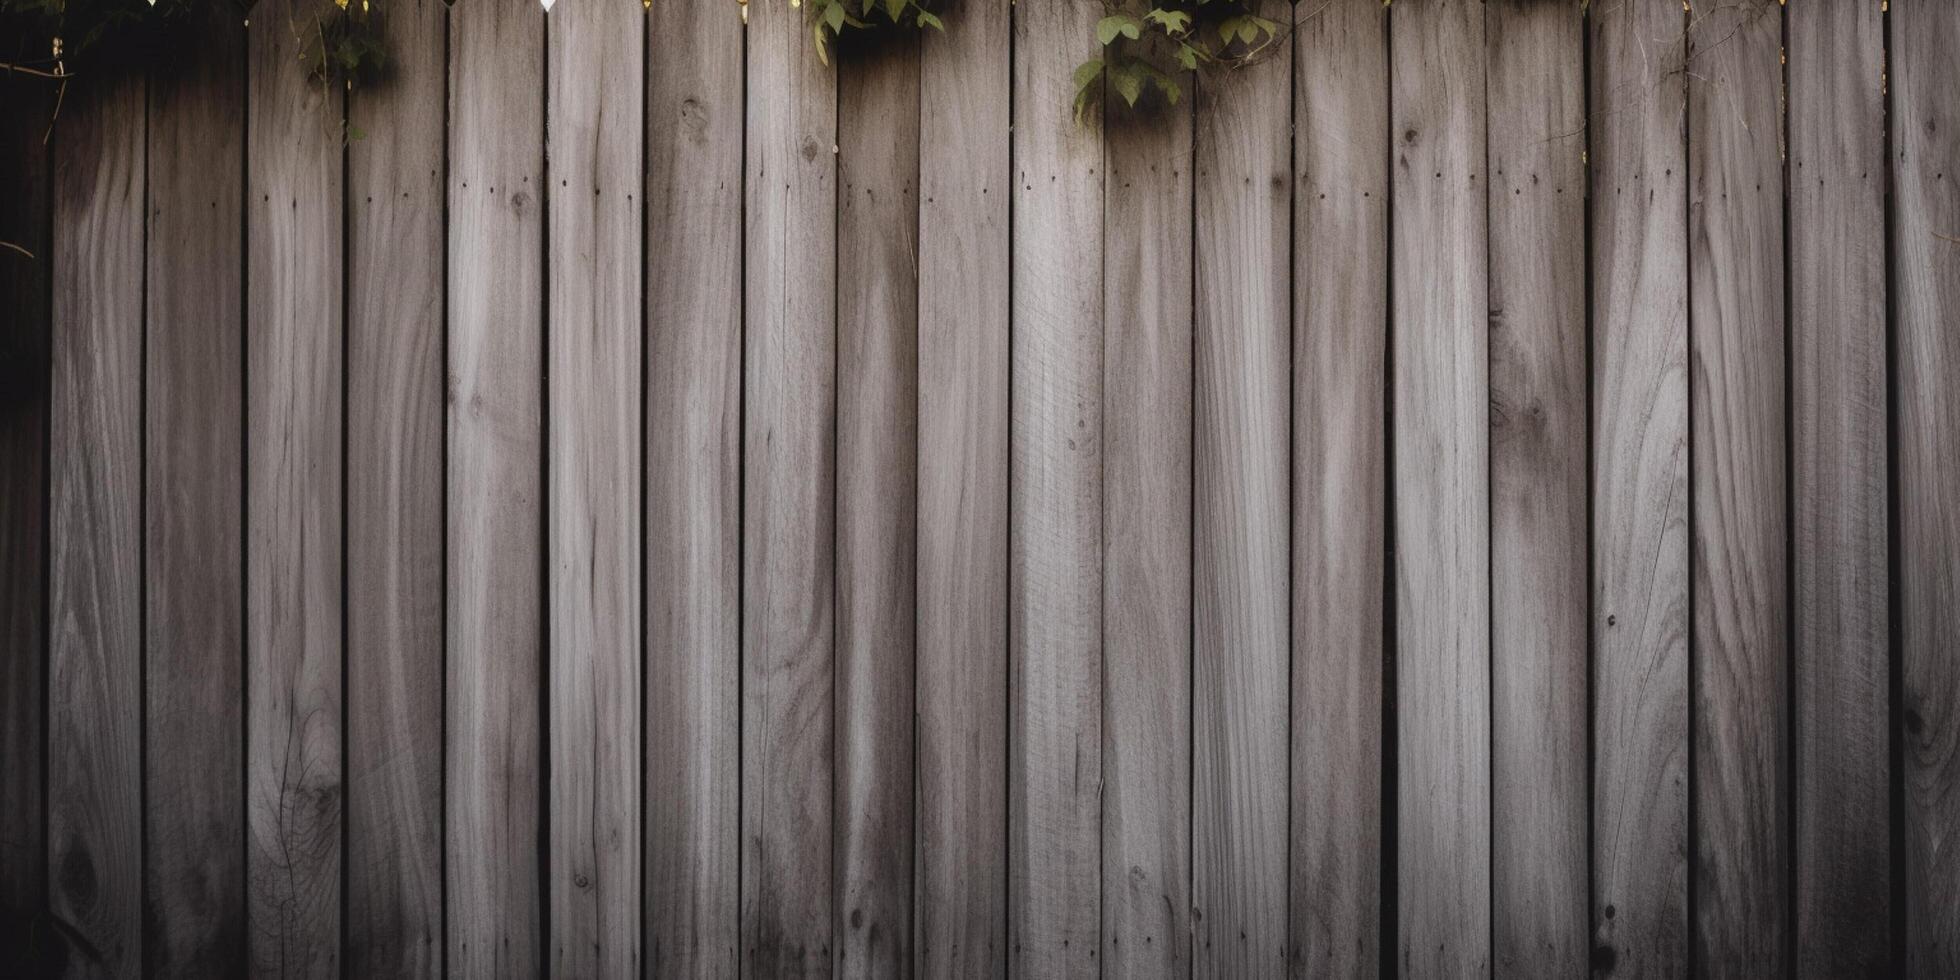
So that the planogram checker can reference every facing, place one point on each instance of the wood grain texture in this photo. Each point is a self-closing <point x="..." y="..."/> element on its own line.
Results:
<point x="1439" y="377"/>
<point x="1838" y="464"/>
<point x="1340" y="339"/>
<point x="1925" y="130"/>
<point x="693" y="430"/>
<point x="1055" y="503"/>
<point x="1241" y="519"/>
<point x="1146" y="558"/>
<point x="495" y="462"/>
<point x="1640" y="487"/>
<point x="960" y="878"/>
<point x="1740" y="782"/>
<point x="95" y="540"/>
<point x="1537" y="248"/>
<point x="394" y="682"/>
<point x="877" y="501"/>
<point x="593" y="365"/>
<point x="196" y="888"/>
<point x="789" y="505"/>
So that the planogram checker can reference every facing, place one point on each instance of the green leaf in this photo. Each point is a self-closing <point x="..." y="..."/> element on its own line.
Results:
<point x="928" y="19"/>
<point x="1086" y="73"/>
<point x="1167" y="85"/>
<point x="1114" y="24"/>
<point x="1173" y="21"/>
<point x="1128" y="82"/>
<point x="1188" y="57"/>
<point x="833" y="16"/>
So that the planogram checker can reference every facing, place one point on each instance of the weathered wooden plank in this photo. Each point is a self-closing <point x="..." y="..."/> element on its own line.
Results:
<point x="1440" y="389"/>
<point x="495" y="524"/>
<point x="877" y="476"/>
<point x="394" y="771"/>
<point x="1640" y="504"/>
<point x="1539" y="848"/>
<point x="693" y="489"/>
<point x="1241" y="517"/>
<point x="1740" y="782"/>
<point x="960" y="882"/>
<point x="196" y="888"/>
<point x="1055" y="502"/>
<point x="789" y="515"/>
<point x="1340" y="338"/>
<point x="1925" y="81"/>
<point x="95" y="542"/>
<point x="1838" y="467"/>
<point x="1146" y="557"/>
<point x="593" y="365"/>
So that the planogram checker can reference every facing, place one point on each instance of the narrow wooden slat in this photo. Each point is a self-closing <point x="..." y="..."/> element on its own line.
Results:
<point x="1055" y="502"/>
<point x="494" y="544"/>
<point x="1640" y="489"/>
<point x="1537" y="106"/>
<point x="1340" y="337"/>
<point x="95" y="542"/>
<point x="960" y="881"/>
<point x="693" y="489"/>
<point x="194" y="515"/>
<point x="877" y="476"/>
<point x="1146" y="803"/>
<point x="1741" y="784"/>
<point x="1925" y="80"/>
<point x="394" y="770"/>
<point x="1838" y="467"/>
<point x="1440" y="391"/>
<point x="594" y="366"/>
<point x="789" y="517"/>
<point x="1241" y="518"/>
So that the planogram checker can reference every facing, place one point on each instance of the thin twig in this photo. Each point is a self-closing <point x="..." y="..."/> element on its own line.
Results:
<point x="9" y="66"/>
<point x="16" y="248"/>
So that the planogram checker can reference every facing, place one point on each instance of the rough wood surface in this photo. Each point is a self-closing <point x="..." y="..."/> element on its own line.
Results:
<point x="960" y="881"/>
<point x="1440" y="487"/>
<point x="495" y="663"/>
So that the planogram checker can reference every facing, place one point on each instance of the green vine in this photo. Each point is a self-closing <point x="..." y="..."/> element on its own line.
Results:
<point x="1148" y="43"/>
<point x="829" y="19"/>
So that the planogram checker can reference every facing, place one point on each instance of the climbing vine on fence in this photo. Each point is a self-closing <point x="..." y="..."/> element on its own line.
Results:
<point x="1148" y="44"/>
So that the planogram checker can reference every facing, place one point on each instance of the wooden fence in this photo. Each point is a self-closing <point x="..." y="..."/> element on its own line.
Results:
<point x="1476" y="492"/>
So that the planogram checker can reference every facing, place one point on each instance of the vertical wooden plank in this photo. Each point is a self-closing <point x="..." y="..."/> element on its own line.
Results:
<point x="693" y="488"/>
<point x="1441" y="486"/>
<point x="1055" y="502"/>
<point x="495" y="626"/>
<point x="95" y="543"/>
<point x="1340" y="337"/>
<point x="1838" y="459"/>
<point x="877" y="476"/>
<point x="960" y="882"/>
<point x="293" y="531"/>
<point x="394" y="768"/>
<point x="1925" y="80"/>
<point x="194" y="785"/>
<point x="1640" y="473"/>
<point x="1241" y="520"/>
<point x="1740" y="782"/>
<point x="1147" y="379"/>
<point x="789" y="516"/>
<point x="1538" y="529"/>
<point x="594" y="366"/>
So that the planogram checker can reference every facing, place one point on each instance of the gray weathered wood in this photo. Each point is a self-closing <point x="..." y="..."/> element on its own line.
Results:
<point x="1340" y="337"/>
<point x="1055" y="502"/>
<point x="1539" y="779"/>
<point x="1838" y="460"/>
<point x="495" y="507"/>
<point x="960" y="881"/>
<point x="1736" y="389"/>
<point x="877" y="479"/>
<point x="394" y="682"/>
<point x="1146" y="557"/>
<point x="693" y="489"/>
<point x="95" y="541"/>
<point x="1440" y="487"/>
<point x="593" y="365"/>
<point x="789" y="515"/>
<point x="1241" y="517"/>
<point x="196" y="892"/>
<point x="1640" y="486"/>
<point x="1925" y="81"/>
